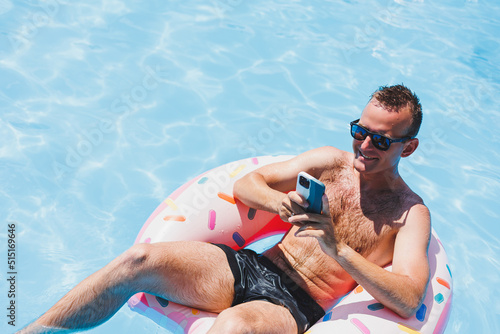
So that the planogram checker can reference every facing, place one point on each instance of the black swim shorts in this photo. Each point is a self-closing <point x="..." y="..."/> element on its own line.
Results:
<point x="257" y="278"/>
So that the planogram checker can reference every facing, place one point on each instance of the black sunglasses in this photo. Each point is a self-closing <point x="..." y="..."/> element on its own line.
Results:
<point x="380" y="142"/>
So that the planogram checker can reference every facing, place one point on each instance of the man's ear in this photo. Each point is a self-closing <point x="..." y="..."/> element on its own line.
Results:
<point x="410" y="147"/>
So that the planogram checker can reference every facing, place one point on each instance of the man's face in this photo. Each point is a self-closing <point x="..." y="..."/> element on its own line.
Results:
<point x="394" y="125"/>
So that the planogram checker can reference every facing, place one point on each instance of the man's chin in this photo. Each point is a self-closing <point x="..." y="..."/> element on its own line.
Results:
<point x="363" y="167"/>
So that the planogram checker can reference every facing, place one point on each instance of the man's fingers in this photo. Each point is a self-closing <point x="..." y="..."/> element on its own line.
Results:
<point x="298" y="219"/>
<point x="297" y="198"/>
<point x="291" y="205"/>
<point x="309" y="230"/>
<point x="312" y="219"/>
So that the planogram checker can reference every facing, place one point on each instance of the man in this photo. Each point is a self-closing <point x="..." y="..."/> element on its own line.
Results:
<point x="370" y="219"/>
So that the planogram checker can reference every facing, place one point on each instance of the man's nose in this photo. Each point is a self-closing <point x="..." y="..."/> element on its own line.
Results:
<point x="367" y="143"/>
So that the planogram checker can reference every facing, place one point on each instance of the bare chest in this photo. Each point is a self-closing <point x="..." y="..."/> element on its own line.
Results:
<point x="365" y="223"/>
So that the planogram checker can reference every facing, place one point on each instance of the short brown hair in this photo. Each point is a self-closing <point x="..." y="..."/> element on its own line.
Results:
<point x="397" y="97"/>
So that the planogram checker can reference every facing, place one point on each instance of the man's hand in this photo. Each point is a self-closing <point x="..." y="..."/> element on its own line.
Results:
<point x="319" y="226"/>
<point x="292" y="204"/>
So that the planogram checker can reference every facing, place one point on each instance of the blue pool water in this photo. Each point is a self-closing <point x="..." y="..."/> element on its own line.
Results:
<point x="108" y="106"/>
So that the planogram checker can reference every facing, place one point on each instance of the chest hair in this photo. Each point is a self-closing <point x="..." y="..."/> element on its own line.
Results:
<point x="361" y="221"/>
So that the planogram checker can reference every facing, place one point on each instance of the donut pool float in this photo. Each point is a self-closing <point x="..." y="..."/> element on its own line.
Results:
<point x="204" y="209"/>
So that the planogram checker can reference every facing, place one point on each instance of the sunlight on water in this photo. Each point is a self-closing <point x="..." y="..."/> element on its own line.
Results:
<point x="108" y="106"/>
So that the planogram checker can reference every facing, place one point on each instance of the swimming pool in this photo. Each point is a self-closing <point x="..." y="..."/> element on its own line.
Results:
<point x="108" y="106"/>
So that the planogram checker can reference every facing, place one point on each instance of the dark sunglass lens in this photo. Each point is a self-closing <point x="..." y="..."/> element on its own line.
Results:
<point x="381" y="142"/>
<point x="358" y="132"/>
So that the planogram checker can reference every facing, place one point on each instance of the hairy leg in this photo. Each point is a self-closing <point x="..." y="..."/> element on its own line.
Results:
<point x="191" y="273"/>
<point x="255" y="317"/>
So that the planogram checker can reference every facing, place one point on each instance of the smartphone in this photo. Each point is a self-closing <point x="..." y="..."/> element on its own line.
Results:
<point x="312" y="189"/>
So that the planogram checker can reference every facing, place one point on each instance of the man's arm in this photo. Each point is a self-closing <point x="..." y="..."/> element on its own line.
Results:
<point x="267" y="187"/>
<point x="401" y="290"/>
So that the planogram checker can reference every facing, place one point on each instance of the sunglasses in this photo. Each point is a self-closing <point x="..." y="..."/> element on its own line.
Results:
<point x="380" y="142"/>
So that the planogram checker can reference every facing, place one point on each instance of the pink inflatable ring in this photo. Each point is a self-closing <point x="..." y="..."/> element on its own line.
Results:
<point x="204" y="209"/>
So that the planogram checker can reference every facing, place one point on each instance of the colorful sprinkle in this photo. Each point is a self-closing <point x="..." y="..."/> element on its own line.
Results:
<point x="255" y="161"/>
<point x="163" y="302"/>
<point x="227" y="197"/>
<point x="327" y="316"/>
<point x="439" y="298"/>
<point x="443" y="282"/>
<point x="375" y="307"/>
<point x="251" y="213"/>
<point x="407" y="329"/>
<point x="202" y="180"/>
<point x="238" y="239"/>
<point x="175" y="218"/>
<point x="195" y="311"/>
<point x="147" y="241"/>
<point x="211" y="219"/>
<point x="421" y="313"/>
<point x="237" y="170"/>
<point x="358" y="289"/>
<point x="449" y="270"/>
<point x="359" y="325"/>
<point x="171" y="204"/>
<point x="143" y="299"/>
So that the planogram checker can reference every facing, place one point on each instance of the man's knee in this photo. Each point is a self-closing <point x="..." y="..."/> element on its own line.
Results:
<point x="134" y="259"/>
<point x="137" y="254"/>
<point x="255" y="317"/>
<point x="234" y="321"/>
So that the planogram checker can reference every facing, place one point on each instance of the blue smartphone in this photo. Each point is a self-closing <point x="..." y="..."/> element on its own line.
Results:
<point x="312" y="189"/>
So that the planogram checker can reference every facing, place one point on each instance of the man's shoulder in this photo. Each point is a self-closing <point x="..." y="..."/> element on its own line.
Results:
<point x="407" y="200"/>
<point x="328" y="154"/>
<point x="411" y="196"/>
<point x="415" y="203"/>
<point x="317" y="160"/>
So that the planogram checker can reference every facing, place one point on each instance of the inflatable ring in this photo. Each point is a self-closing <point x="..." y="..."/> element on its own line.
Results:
<point x="204" y="209"/>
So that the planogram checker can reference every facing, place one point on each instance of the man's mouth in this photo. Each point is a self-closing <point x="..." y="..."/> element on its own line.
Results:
<point x="365" y="156"/>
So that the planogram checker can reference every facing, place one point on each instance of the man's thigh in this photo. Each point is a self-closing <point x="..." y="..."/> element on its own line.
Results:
<point x="258" y="316"/>
<point x="192" y="273"/>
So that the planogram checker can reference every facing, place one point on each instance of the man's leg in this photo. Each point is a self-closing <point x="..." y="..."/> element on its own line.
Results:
<point x="255" y="317"/>
<point x="191" y="273"/>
